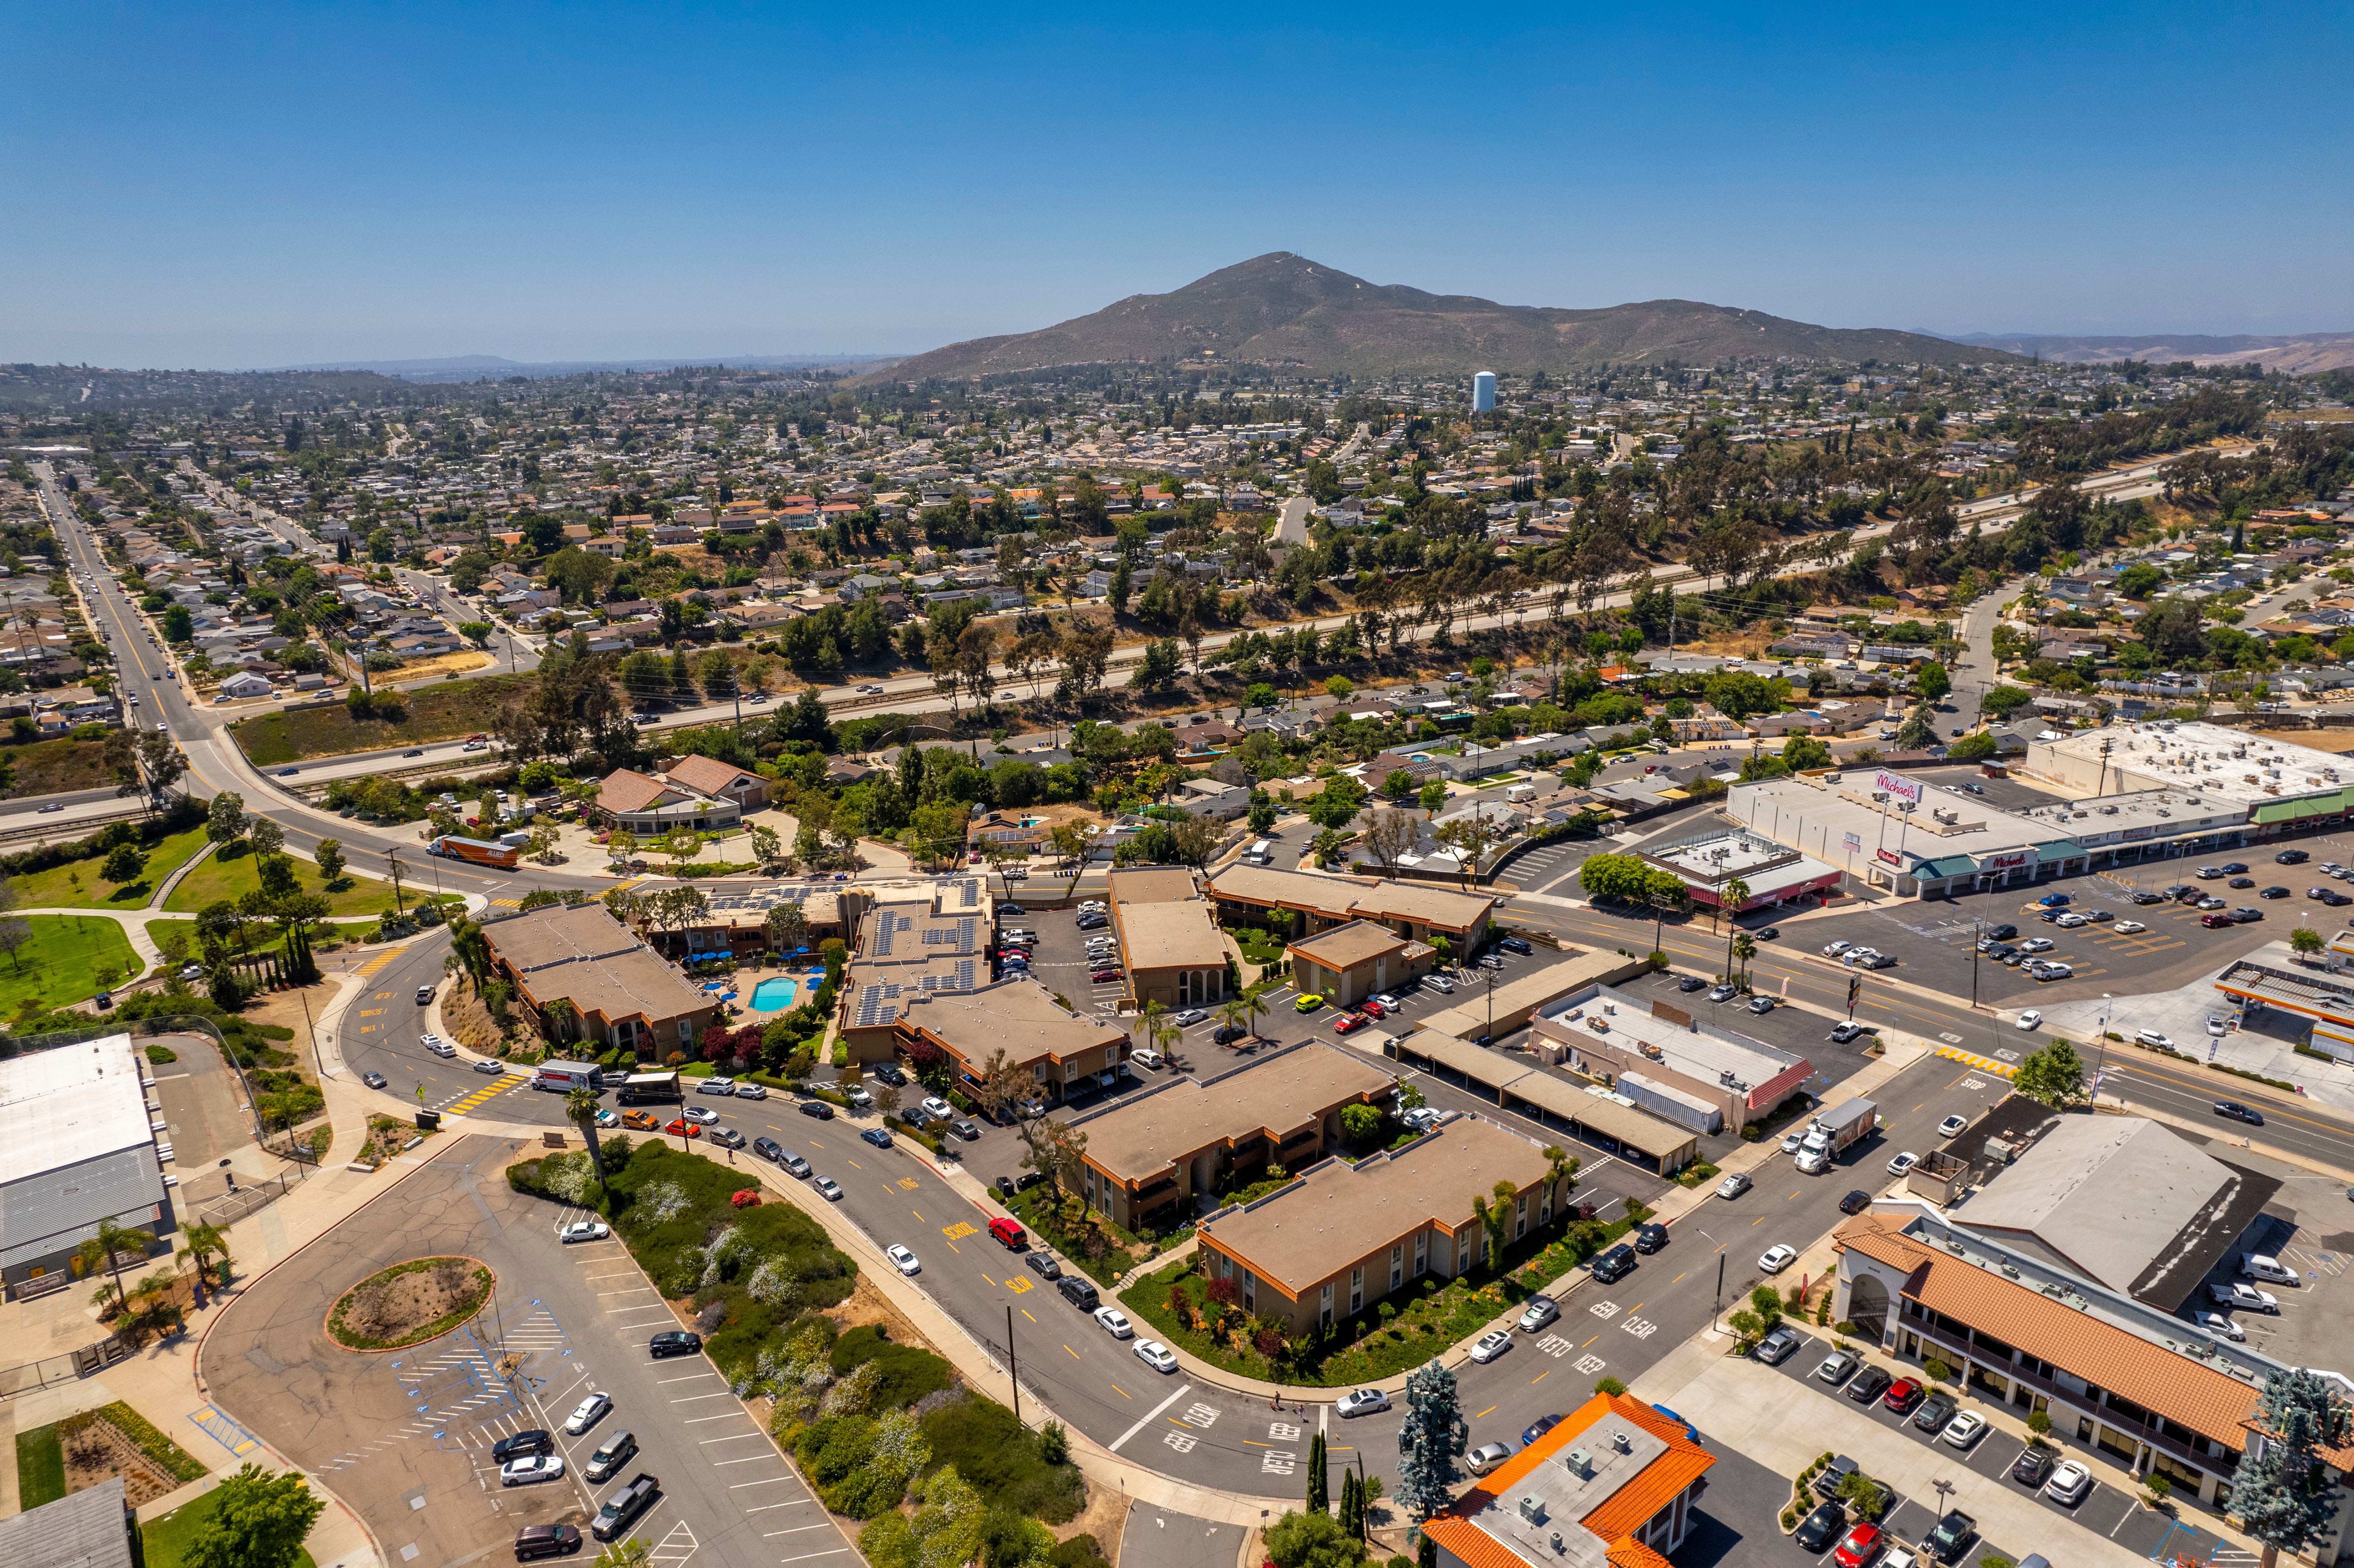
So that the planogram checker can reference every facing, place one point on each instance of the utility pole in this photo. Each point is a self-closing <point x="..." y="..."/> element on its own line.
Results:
<point x="1012" y="1367"/>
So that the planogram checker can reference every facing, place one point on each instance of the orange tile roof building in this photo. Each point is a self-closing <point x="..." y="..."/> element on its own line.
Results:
<point x="2110" y="1373"/>
<point x="1615" y="1485"/>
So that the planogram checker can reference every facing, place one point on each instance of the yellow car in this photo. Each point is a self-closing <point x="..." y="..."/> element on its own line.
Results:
<point x="1310" y="1004"/>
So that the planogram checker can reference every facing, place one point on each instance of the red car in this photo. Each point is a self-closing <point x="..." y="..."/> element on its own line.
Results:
<point x="1346" y="1021"/>
<point x="683" y="1127"/>
<point x="1106" y="977"/>
<point x="1858" y="1546"/>
<point x="1375" y="1009"/>
<point x="1901" y="1394"/>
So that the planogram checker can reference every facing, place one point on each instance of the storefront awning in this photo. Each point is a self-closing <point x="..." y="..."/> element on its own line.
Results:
<point x="1947" y="865"/>
<point x="2296" y="811"/>
<point x="2059" y="850"/>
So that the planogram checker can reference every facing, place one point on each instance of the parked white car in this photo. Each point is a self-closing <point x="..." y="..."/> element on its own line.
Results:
<point x="1114" y="1322"/>
<point x="1777" y="1257"/>
<point x="903" y="1260"/>
<point x="588" y="1413"/>
<point x="1490" y="1346"/>
<point x="1156" y="1355"/>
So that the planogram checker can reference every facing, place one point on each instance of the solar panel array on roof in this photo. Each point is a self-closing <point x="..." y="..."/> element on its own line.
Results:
<point x="887" y="927"/>
<point x="964" y="895"/>
<point x="963" y="979"/>
<point x="964" y="936"/>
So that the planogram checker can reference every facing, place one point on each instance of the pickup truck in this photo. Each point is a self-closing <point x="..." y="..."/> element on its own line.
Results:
<point x="622" y="1508"/>
<point x="1946" y="1543"/>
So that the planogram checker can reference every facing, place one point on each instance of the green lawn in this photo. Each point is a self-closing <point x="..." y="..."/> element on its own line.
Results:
<point x="63" y="961"/>
<point x="40" y="1467"/>
<point x="168" y="1539"/>
<point x="54" y="888"/>
<point x="233" y="877"/>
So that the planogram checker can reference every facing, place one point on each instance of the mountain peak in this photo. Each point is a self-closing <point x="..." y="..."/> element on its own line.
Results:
<point x="1284" y="309"/>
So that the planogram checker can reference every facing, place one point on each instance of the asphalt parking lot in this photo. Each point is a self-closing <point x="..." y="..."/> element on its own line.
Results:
<point x="405" y="1436"/>
<point x="2116" y="1514"/>
<point x="2308" y="1227"/>
<point x="1934" y="941"/>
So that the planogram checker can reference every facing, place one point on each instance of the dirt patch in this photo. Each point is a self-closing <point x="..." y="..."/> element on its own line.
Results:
<point x="1103" y="1518"/>
<point x="1738" y="645"/>
<point x="96" y="1453"/>
<point x="445" y="665"/>
<point x="2331" y="740"/>
<point x="409" y="1303"/>
<point x="867" y="1305"/>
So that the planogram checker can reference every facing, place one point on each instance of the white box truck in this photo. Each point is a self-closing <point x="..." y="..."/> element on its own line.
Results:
<point x="1845" y="1124"/>
<point x="566" y="1076"/>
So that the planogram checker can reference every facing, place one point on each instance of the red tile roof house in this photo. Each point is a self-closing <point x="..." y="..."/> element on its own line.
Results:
<point x="719" y="780"/>
<point x="649" y="806"/>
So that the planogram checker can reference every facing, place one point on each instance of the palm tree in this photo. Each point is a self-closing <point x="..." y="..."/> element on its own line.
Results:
<point x="153" y="1289"/>
<point x="103" y="1248"/>
<point x="205" y="1241"/>
<point x="1235" y="1012"/>
<point x="1729" y="899"/>
<point x="1745" y="947"/>
<point x="1150" y="1022"/>
<point x="581" y="1108"/>
<point x="559" y="1014"/>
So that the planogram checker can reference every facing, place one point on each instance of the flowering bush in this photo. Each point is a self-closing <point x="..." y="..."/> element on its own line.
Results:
<point x="747" y="1199"/>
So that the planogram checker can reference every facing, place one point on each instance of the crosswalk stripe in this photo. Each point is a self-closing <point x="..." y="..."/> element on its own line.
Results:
<point x="1983" y="1064"/>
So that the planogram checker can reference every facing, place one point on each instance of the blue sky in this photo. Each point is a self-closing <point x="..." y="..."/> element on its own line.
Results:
<point x="240" y="185"/>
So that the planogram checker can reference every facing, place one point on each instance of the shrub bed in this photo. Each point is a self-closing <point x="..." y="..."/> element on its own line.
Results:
<point x="392" y="1307"/>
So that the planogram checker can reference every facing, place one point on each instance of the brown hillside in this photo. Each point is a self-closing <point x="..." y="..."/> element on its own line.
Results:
<point x="1285" y="309"/>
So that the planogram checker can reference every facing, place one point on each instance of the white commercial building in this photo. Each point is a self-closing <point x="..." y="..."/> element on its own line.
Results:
<point x="2276" y="783"/>
<point x="1890" y="830"/>
<point x="81" y="1148"/>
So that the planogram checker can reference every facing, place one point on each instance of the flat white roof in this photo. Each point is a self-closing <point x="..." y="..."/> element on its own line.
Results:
<point x="2211" y="759"/>
<point x="1732" y="852"/>
<point x="71" y="1104"/>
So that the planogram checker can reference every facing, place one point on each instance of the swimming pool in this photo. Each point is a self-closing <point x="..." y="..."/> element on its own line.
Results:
<point x="774" y="995"/>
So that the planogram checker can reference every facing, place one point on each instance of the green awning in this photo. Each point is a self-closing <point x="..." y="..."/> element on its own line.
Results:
<point x="1947" y="865"/>
<point x="2296" y="811"/>
<point x="2059" y="850"/>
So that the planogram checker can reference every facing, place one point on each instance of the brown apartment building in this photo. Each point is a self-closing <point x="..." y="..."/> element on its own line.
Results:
<point x="1064" y="1053"/>
<point x="1342" y="1238"/>
<point x="1310" y="903"/>
<point x="1168" y="937"/>
<point x="1346" y="964"/>
<point x="622" y="994"/>
<point x="918" y="940"/>
<point x="1148" y="1159"/>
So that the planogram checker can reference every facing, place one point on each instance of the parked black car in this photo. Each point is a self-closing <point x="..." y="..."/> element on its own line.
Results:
<point x="1078" y="1292"/>
<point x="1855" y="1202"/>
<point x="1816" y="1531"/>
<point x="2292" y="857"/>
<point x="532" y="1442"/>
<point x="1692" y="982"/>
<point x="889" y="1073"/>
<point x="2002" y="933"/>
<point x="1934" y="1411"/>
<point x="1614" y="1264"/>
<point x="1868" y="1384"/>
<point x="818" y="1109"/>
<point x="2033" y="1468"/>
<point x="1651" y="1238"/>
<point x="675" y="1342"/>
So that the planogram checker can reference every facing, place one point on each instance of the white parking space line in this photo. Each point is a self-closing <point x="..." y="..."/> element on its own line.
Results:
<point x="806" y="1556"/>
<point x="753" y="1460"/>
<point x="797" y="1530"/>
<point x="691" y="1398"/>
<point x="731" y="1415"/>
<point x="734" y="1438"/>
<point x="767" y="1481"/>
<point x="766" y="1507"/>
<point x="688" y="1378"/>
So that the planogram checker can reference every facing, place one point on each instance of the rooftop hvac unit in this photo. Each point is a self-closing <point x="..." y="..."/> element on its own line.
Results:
<point x="1578" y="1462"/>
<point x="2108" y="811"/>
<point x="1620" y="1441"/>
<point x="1557" y="1541"/>
<point x="1532" y="1508"/>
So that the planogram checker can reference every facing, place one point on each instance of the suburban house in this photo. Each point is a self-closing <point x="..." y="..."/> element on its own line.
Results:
<point x="1209" y="798"/>
<point x="620" y="993"/>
